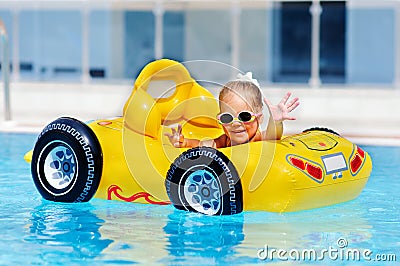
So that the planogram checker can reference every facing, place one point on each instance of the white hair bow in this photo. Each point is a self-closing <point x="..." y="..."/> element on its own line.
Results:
<point x="248" y="77"/>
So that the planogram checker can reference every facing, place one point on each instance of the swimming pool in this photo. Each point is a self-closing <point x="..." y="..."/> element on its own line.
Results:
<point x="39" y="232"/>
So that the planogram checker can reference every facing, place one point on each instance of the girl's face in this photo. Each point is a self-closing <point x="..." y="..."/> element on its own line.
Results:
<point x="237" y="131"/>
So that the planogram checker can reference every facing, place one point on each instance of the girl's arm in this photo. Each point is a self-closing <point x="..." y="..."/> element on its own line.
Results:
<point x="274" y="130"/>
<point x="179" y="141"/>
<point x="278" y="114"/>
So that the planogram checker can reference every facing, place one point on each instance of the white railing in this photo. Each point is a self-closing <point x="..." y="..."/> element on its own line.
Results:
<point x="315" y="11"/>
<point x="5" y="67"/>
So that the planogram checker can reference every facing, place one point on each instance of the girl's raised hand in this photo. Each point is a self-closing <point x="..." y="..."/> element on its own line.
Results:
<point x="176" y="138"/>
<point x="280" y="112"/>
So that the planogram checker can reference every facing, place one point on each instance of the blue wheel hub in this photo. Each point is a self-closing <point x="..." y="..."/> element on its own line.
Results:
<point x="60" y="167"/>
<point x="203" y="191"/>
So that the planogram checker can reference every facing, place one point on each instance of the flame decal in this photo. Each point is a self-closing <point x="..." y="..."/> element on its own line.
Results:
<point x="114" y="189"/>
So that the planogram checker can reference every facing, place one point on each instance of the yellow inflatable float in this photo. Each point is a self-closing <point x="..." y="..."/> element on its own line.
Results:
<point x="128" y="158"/>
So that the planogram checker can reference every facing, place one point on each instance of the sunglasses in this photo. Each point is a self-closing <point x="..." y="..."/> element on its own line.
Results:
<point x="243" y="116"/>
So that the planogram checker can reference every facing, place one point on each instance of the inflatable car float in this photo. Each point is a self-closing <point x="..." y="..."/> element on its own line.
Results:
<point x="128" y="158"/>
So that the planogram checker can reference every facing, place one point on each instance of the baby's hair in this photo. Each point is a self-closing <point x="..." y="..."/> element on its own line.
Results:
<point x="245" y="89"/>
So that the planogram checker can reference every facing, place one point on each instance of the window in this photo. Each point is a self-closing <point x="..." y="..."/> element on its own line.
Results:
<point x="292" y="46"/>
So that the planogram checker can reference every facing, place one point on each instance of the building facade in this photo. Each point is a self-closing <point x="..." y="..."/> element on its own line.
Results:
<point x="302" y="42"/>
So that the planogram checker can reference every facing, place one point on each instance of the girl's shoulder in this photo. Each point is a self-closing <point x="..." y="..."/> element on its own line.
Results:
<point x="221" y="141"/>
<point x="257" y="137"/>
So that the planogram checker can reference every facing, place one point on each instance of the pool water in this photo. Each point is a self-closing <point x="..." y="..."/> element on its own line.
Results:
<point x="38" y="232"/>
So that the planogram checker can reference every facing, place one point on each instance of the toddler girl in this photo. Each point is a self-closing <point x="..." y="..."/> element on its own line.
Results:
<point x="241" y="105"/>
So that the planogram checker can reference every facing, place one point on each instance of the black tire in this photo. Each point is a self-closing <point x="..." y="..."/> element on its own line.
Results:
<point x="67" y="161"/>
<point x="204" y="180"/>
<point x="322" y="129"/>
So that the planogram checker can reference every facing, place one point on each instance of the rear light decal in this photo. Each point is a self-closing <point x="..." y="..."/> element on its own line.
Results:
<point x="314" y="171"/>
<point x="298" y="163"/>
<point x="356" y="161"/>
<point x="310" y="168"/>
<point x="360" y="152"/>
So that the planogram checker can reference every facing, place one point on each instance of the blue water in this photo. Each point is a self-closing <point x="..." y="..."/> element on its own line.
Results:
<point x="39" y="232"/>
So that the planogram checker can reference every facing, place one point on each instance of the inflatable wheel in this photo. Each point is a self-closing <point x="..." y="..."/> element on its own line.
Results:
<point x="322" y="129"/>
<point x="67" y="161"/>
<point x="204" y="180"/>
